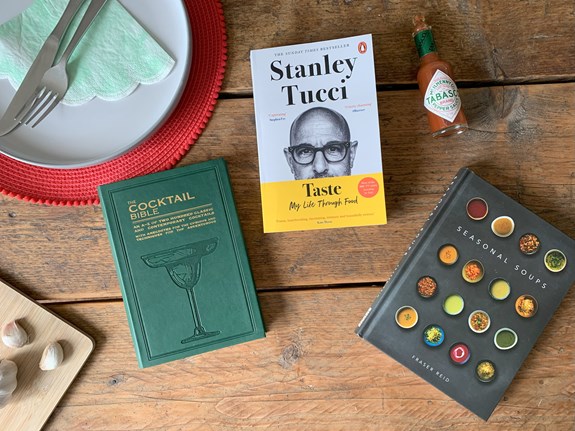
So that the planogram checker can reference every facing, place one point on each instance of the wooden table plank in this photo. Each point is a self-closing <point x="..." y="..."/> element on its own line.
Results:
<point x="522" y="139"/>
<point x="310" y="372"/>
<point x="486" y="42"/>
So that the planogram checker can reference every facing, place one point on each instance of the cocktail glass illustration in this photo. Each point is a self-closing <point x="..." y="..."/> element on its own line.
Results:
<point x="184" y="264"/>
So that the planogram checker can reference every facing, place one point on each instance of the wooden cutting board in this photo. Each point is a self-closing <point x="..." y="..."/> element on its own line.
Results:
<point x="38" y="391"/>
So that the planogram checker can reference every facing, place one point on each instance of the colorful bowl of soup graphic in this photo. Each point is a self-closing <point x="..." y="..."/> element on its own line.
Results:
<point x="472" y="271"/>
<point x="448" y="254"/>
<point x="505" y="339"/>
<point x="529" y="244"/>
<point x="477" y="209"/>
<point x="499" y="289"/>
<point x="433" y="335"/>
<point x="479" y="321"/>
<point x="555" y="260"/>
<point x="459" y="353"/>
<point x="485" y="371"/>
<point x="526" y="306"/>
<point x="503" y="226"/>
<point x="453" y="304"/>
<point x="426" y="286"/>
<point x="406" y="317"/>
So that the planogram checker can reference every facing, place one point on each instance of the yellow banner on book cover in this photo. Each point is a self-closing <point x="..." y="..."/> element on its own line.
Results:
<point x="322" y="203"/>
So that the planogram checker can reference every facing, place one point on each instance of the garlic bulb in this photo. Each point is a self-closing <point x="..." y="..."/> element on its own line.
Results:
<point x="52" y="356"/>
<point x="13" y="335"/>
<point x="8" y="383"/>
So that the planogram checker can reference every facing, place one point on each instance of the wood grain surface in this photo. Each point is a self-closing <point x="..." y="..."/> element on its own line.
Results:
<point x="515" y="65"/>
<point x="522" y="140"/>
<point x="486" y="41"/>
<point x="310" y="372"/>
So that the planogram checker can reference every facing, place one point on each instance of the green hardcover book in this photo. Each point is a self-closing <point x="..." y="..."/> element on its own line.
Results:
<point x="181" y="262"/>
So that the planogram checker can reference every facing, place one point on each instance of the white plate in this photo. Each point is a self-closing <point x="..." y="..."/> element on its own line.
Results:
<point x="98" y="131"/>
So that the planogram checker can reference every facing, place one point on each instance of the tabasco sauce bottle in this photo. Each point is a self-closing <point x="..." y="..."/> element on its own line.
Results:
<point x="435" y="78"/>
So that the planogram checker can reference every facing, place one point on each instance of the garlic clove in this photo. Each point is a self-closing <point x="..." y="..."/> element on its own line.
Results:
<point x="4" y="399"/>
<point x="13" y="335"/>
<point x="52" y="357"/>
<point x="8" y="381"/>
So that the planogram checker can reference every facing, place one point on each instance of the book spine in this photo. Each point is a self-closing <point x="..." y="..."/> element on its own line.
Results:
<point x="365" y="322"/>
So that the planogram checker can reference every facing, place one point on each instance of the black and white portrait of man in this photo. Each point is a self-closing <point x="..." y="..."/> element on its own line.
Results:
<point x="320" y="145"/>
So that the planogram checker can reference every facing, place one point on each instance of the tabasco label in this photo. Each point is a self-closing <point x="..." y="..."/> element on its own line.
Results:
<point x="441" y="96"/>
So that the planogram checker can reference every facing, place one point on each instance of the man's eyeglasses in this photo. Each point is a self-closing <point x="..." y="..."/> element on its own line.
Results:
<point x="304" y="154"/>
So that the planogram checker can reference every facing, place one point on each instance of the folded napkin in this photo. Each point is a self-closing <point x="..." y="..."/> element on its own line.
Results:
<point x="115" y="55"/>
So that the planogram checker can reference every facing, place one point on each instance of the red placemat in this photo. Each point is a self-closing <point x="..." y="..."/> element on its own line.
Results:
<point x="159" y="152"/>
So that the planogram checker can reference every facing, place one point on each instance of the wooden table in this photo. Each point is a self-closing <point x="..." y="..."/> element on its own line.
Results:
<point x="515" y="64"/>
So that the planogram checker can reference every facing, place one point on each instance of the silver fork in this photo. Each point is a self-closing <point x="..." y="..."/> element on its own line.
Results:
<point x="55" y="82"/>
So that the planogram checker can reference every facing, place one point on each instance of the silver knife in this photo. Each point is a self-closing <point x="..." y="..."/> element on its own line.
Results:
<point x="41" y="64"/>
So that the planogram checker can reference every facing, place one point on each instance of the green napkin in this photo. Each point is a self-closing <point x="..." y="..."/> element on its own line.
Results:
<point x="115" y="55"/>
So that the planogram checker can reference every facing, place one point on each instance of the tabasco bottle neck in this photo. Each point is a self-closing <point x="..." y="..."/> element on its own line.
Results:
<point x="424" y="43"/>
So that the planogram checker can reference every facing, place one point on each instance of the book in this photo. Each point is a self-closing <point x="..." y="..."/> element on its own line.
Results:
<point x="317" y="129"/>
<point x="472" y="294"/>
<point x="181" y="262"/>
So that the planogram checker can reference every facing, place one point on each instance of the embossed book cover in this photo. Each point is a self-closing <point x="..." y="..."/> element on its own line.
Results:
<point x="181" y="262"/>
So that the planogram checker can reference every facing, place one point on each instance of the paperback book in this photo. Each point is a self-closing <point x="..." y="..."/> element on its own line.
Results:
<point x="472" y="294"/>
<point x="181" y="262"/>
<point x="318" y="135"/>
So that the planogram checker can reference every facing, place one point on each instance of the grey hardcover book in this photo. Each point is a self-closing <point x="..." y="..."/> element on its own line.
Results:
<point x="472" y="294"/>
